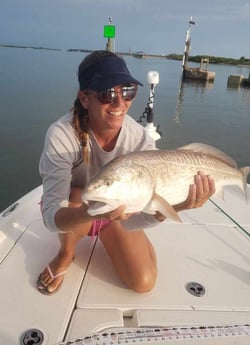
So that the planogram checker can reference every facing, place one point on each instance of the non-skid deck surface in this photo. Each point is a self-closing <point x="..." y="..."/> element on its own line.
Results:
<point x="215" y="256"/>
<point x="236" y="205"/>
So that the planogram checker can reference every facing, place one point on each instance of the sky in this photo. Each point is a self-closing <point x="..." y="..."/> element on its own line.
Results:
<point x="153" y="26"/>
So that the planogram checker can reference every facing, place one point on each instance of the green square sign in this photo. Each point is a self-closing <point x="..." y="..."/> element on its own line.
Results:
<point x="109" y="31"/>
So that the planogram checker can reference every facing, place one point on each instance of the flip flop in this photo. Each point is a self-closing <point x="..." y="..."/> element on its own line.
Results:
<point x="44" y="289"/>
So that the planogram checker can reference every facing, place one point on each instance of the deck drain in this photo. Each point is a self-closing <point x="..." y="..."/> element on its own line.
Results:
<point x="32" y="337"/>
<point x="195" y="289"/>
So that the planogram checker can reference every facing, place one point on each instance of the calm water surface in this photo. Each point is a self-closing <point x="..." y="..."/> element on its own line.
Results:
<point x="38" y="86"/>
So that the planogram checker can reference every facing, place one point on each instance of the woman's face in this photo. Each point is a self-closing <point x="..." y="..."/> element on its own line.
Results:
<point x="109" y="115"/>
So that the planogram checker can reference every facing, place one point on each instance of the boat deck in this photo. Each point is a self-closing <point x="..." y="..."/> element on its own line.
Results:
<point x="211" y="247"/>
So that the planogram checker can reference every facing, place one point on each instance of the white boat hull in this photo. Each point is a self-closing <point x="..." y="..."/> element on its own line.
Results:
<point x="211" y="247"/>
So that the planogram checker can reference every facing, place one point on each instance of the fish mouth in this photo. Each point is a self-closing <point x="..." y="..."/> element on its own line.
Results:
<point x="99" y="206"/>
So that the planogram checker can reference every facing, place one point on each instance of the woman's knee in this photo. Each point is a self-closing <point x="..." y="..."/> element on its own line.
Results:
<point x="132" y="255"/>
<point x="143" y="281"/>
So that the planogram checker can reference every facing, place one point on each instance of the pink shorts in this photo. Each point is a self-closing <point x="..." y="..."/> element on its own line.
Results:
<point x="98" y="226"/>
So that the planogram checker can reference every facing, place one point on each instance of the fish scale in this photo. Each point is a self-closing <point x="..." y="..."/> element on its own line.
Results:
<point x="179" y="180"/>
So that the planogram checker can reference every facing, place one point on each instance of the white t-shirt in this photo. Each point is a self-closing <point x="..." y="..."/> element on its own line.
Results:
<point x="61" y="164"/>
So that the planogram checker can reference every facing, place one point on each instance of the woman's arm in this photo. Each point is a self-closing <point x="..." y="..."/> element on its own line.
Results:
<point x="199" y="192"/>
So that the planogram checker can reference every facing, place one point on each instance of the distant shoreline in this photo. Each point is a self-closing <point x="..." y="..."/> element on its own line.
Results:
<point x="74" y="50"/>
<point x="40" y="48"/>
<point x="242" y="62"/>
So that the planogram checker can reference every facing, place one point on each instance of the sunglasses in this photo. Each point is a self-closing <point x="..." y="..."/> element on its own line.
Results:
<point x="127" y="92"/>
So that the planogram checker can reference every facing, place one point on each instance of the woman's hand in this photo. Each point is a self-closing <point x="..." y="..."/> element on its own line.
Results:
<point x="199" y="192"/>
<point x="76" y="201"/>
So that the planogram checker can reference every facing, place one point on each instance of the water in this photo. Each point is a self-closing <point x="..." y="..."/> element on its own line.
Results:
<point x="38" y="86"/>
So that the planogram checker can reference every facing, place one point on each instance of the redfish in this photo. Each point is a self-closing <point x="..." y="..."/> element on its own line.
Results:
<point x="155" y="180"/>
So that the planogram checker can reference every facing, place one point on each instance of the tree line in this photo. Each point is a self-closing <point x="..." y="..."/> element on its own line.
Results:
<point x="212" y="59"/>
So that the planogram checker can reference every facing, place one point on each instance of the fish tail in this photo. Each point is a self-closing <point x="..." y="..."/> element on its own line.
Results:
<point x="245" y="171"/>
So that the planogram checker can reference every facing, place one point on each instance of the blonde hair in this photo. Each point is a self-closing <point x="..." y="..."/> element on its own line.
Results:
<point x="81" y="126"/>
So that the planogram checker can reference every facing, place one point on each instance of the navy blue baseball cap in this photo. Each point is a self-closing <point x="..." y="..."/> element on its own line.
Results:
<point x="106" y="73"/>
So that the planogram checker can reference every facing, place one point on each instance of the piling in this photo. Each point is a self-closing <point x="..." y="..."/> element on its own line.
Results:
<point x="234" y="80"/>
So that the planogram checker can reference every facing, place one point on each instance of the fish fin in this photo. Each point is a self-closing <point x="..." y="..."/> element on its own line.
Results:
<point x="158" y="203"/>
<point x="208" y="149"/>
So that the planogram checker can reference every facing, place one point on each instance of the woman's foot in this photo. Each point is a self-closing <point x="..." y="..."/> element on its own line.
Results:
<point x="50" y="280"/>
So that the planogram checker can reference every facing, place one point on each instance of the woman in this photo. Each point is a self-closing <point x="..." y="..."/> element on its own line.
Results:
<point x="77" y="146"/>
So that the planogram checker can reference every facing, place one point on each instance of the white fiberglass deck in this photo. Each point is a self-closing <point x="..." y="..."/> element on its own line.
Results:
<point x="209" y="247"/>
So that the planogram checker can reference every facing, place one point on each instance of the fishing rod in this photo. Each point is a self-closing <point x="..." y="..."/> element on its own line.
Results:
<point x="153" y="80"/>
